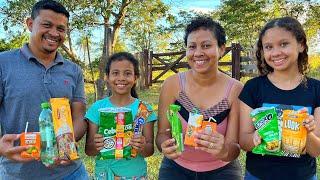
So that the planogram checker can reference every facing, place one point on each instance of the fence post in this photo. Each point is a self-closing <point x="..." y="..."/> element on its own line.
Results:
<point x="236" y="55"/>
<point x="149" y="58"/>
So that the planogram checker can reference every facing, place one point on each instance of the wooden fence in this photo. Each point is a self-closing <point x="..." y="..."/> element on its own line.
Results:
<point x="164" y="62"/>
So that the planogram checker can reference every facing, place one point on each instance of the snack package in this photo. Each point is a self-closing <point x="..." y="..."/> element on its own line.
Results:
<point x="139" y="121"/>
<point x="209" y="126"/>
<point x="176" y="126"/>
<point x="294" y="134"/>
<point x="194" y="125"/>
<point x="266" y="122"/>
<point x="116" y="127"/>
<point x="63" y="128"/>
<point x="30" y="139"/>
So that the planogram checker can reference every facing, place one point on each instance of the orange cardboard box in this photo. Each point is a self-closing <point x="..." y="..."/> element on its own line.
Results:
<point x="63" y="128"/>
<point x="31" y="139"/>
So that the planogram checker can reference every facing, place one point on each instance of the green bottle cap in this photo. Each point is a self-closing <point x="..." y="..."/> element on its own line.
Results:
<point x="45" y="105"/>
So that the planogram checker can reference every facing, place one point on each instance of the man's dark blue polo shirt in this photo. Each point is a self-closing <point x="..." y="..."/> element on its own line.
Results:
<point x="24" y="84"/>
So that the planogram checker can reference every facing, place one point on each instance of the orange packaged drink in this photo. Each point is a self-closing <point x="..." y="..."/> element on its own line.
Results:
<point x="294" y="134"/>
<point x="194" y="125"/>
<point x="209" y="126"/>
<point x="63" y="128"/>
<point x="31" y="139"/>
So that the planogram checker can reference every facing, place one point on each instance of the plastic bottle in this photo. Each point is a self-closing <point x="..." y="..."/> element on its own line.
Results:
<point x="48" y="140"/>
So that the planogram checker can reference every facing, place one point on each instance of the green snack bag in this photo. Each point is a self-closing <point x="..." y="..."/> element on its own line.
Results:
<point x="176" y="126"/>
<point x="266" y="122"/>
<point x="116" y="127"/>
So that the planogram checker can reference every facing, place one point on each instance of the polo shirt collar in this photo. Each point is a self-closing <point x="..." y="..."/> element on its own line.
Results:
<point x="28" y="54"/>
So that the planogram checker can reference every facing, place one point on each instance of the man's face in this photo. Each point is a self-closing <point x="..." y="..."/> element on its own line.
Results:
<point x="48" y="31"/>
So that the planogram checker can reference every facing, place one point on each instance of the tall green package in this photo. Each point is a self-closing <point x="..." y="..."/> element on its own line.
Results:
<point x="116" y="127"/>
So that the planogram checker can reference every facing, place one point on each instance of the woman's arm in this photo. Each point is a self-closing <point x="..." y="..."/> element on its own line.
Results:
<point x="231" y="144"/>
<point x="246" y="131"/>
<point x="164" y="140"/>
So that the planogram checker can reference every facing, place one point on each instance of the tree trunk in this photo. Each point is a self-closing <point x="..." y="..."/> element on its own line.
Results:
<point x="106" y="51"/>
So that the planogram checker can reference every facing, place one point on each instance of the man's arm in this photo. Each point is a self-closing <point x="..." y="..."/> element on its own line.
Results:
<point x="79" y="124"/>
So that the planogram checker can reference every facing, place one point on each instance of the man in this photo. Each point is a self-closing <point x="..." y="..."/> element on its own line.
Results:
<point x="32" y="75"/>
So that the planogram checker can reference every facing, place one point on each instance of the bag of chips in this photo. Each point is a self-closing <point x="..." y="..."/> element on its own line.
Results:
<point x="266" y="122"/>
<point x="116" y="127"/>
<point x="294" y="134"/>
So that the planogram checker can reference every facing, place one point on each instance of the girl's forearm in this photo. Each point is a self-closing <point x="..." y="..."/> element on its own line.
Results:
<point x="313" y="145"/>
<point x="148" y="150"/>
<point x="246" y="141"/>
<point x="232" y="151"/>
<point x="90" y="150"/>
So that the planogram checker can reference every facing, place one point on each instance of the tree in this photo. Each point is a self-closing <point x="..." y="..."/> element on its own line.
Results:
<point x="243" y="19"/>
<point x="146" y="35"/>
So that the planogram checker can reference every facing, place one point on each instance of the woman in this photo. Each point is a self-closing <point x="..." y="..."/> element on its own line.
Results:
<point x="213" y="94"/>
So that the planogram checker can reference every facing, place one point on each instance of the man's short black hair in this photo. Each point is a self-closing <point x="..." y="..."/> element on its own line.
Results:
<point x="48" y="5"/>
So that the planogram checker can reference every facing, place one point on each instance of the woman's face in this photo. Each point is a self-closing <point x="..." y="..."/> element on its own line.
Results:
<point x="203" y="51"/>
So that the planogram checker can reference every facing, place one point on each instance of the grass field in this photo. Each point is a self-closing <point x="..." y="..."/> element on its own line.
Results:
<point x="151" y="95"/>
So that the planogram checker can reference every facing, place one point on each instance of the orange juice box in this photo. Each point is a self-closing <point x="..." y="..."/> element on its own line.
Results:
<point x="63" y="128"/>
<point x="209" y="126"/>
<point x="194" y="125"/>
<point x="31" y="139"/>
<point x="294" y="134"/>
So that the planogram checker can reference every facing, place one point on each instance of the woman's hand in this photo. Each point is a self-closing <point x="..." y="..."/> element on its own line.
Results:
<point x="138" y="143"/>
<point x="211" y="142"/>
<point x="98" y="141"/>
<point x="169" y="149"/>
<point x="309" y="123"/>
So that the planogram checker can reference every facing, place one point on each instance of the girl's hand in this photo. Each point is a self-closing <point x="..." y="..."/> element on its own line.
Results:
<point x="309" y="123"/>
<point x="169" y="149"/>
<point x="256" y="138"/>
<point x="211" y="142"/>
<point x="98" y="141"/>
<point x="138" y="142"/>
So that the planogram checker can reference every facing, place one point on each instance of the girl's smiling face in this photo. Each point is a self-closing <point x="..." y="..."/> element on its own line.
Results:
<point x="121" y="77"/>
<point x="281" y="49"/>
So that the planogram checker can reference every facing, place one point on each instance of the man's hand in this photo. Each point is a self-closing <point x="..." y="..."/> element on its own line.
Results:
<point x="8" y="150"/>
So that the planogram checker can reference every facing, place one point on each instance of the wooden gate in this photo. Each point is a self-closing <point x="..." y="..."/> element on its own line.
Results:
<point x="150" y="62"/>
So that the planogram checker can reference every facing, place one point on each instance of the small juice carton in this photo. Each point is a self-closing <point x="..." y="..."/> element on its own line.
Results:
<point x="209" y="126"/>
<point x="63" y="128"/>
<point x="31" y="139"/>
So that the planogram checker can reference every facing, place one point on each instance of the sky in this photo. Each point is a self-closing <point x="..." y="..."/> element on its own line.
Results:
<point x="197" y="5"/>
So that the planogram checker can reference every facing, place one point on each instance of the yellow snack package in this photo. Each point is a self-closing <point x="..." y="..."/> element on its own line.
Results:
<point x="63" y="128"/>
<point x="294" y="134"/>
